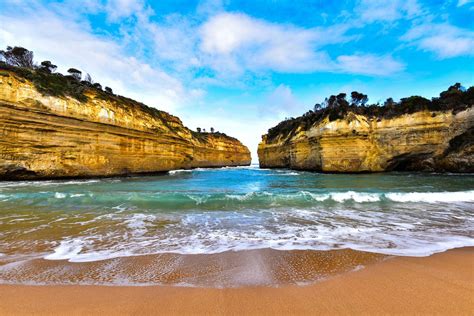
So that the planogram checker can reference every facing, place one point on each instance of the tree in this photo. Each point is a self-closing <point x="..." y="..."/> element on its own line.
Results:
<point x="331" y="102"/>
<point x="453" y="96"/>
<point x="88" y="78"/>
<point x="76" y="74"/>
<point x="47" y="66"/>
<point x="389" y="103"/>
<point x="317" y="107"/>
<point x="203" y="130"/>
<point x="456" y="86"/>
<point x="341" y="99"/>
<point x="18" y="57"/>
<point x="108" y="90"/>
<point x="358" y="99"/>
<point x="212" y="129"/>
<point x="97" y="85"/>
<point x="414" y="103"/>
<point x="198" y="130"/>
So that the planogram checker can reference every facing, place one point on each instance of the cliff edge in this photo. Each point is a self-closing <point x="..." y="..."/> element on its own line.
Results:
<point x="94" y="133"/>
<point x="414" y="135"/>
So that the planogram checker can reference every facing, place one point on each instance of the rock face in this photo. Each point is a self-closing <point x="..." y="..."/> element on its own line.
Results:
<point x="422" y="141"/>
<point x="54" y="137"/>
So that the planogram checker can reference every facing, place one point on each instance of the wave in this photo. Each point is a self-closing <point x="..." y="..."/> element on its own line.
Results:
<point x="59" y="195"/>
<point x="251" y="167"/>
<point x="306" y="196"/>
<point x="432" y="197"/>
<point x="255" y="199"/>
<point x="171" y="172"/>
<point x="66" y="250"/>
<point x="83" y="249"/>
<point x="393" y="229"/>
<point x="46" y="183"/>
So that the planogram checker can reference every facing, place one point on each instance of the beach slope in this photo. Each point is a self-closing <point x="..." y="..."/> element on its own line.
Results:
<point x="440" y="284"/>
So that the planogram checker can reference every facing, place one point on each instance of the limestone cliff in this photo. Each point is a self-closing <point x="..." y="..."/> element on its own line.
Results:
<point x="44" y="136"/>
<point x="420" y="141"/>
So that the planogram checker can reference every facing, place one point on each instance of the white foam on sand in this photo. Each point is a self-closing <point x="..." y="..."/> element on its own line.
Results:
<point x="67" y="249"/>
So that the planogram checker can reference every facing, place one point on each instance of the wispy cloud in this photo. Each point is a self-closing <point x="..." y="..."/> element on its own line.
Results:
<point x="118" y="9"/>
<point x="280" y="102"/>
<point x="369" y="64"/>
<point x="235" y="41"/>
<point x="387" y="10"/>
<point x="70" y="44"/>
<point x="444" y="40"/>
<point x="463" y="2"/>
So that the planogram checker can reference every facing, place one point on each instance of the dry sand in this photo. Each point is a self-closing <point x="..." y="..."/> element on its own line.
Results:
<point x="439" y="284"/>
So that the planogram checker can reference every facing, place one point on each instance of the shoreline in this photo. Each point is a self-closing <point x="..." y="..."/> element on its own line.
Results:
<point x="229" y="269"/>
<point x="118" y="175"/>
<point x="442" y="283"/>
<point x="166" y="172"/>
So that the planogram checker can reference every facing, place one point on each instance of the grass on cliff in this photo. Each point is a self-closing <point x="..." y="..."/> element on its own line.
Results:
<point x="59" y="85"/>
<point x="455" y="99"/>
<point x="204" y="137"/>
<point x="54" y="84"/>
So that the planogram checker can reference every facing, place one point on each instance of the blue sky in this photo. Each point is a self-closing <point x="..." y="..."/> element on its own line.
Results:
<point x="242" y="66"/>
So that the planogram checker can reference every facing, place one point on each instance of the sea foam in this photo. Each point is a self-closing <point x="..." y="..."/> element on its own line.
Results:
<point x="432" y="197"/>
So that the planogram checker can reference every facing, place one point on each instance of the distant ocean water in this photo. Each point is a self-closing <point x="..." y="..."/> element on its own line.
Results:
<point x="208" y="211"/>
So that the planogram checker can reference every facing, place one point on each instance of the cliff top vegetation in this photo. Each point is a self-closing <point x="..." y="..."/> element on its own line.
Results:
<point x="47" y="81"/>
<point x="456" y="98"/>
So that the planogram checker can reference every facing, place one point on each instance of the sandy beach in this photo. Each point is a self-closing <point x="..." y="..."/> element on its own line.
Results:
<point x="440" y="284"/>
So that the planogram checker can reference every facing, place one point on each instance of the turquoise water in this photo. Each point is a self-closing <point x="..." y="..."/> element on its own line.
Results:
<point x="215" y="210"/>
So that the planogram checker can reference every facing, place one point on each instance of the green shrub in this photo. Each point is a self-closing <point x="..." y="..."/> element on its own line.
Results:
<point x="455" y="99"/>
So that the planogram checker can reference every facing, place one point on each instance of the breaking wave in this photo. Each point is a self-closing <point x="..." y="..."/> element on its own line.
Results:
<point x="241" y="200"/>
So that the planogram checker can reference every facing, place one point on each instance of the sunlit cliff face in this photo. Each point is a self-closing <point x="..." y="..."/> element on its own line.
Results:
<point x="428" y="141"/>
<point x="49" y="137"/>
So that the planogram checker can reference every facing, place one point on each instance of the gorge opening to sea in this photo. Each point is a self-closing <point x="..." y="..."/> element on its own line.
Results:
<point x="226" y="227"/>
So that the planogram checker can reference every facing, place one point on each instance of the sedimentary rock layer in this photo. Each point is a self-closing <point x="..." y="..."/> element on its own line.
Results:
<point x="52" y="137"/>
<point x="421" y="141"/>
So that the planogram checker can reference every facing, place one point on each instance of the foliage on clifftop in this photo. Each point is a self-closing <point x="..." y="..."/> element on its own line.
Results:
<point x="48" y="82"/>
<point x="204" y="137"/>
<point x="455" y="99"/>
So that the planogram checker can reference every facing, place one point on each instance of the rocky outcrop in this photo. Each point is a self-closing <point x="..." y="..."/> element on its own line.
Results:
<point x="421" y="141"/>
<point x="45" y="136"/>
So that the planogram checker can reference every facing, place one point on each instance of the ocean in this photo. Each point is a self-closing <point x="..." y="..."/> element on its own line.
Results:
<point x="80" y="231"/>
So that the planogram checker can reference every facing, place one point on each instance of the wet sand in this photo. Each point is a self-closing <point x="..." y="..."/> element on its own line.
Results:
<point x="439" y="284"/>
<point x="262" y="267"/>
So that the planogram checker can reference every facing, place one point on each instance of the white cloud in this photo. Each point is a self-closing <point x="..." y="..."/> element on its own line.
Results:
<point x="117" y="9"/>
<point x="235" y="41"/>
<point x="233" y="48"/>
<point x="280" y="102"/>
<point x="368" y="64"/>
<point x="445" y="40"/>
<point x="175" y="40"/>
<point x="463" y="2"/>
<point x="387" y="10"/>
<point x="207" y="7"/>
<point x="69" y="44"/>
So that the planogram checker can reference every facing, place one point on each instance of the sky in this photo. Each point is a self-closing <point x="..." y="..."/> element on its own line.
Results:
<point x="243" y="66"/>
